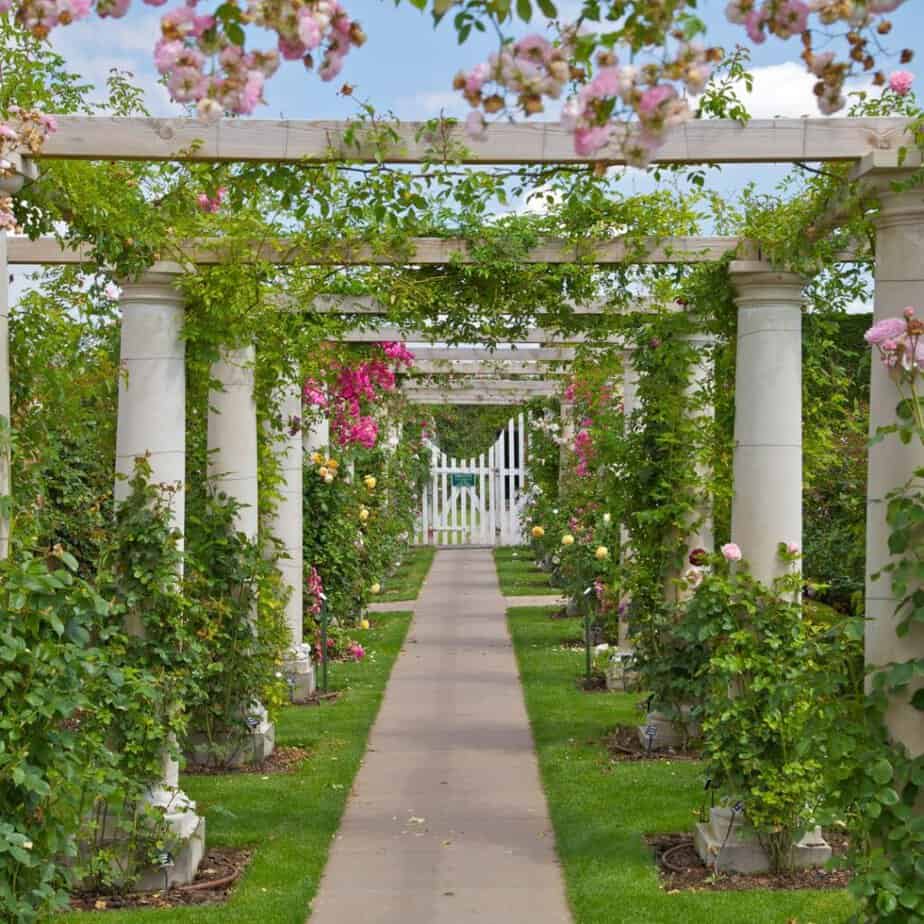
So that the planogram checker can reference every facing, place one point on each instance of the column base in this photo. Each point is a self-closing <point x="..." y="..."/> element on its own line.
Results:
<point x="181" y="857"/>
<point x="299" y="671"/>
<point x="619" y="675"/>
<point x="236" y="748"/>
<point x="727" y="844"/>
<point x="667" y="732"/>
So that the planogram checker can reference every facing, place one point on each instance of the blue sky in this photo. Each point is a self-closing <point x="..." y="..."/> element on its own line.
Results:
<point x="407" y="66"/>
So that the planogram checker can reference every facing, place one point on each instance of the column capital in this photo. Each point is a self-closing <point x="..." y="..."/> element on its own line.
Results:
<point x="758" y="284"/>
<point x="157" y="285"/>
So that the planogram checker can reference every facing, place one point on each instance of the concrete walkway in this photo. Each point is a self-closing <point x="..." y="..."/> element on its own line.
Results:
<point x="447" y="821"/>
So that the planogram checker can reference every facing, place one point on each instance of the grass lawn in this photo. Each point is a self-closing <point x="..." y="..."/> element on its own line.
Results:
<point x="601" y="810"/>
<point x="289" y="819"/>
<point x="406" y="582"/>
<point x="519" y="575"/>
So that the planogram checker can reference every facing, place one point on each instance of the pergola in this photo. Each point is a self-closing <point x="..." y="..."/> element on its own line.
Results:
<point x="767" y="502"/>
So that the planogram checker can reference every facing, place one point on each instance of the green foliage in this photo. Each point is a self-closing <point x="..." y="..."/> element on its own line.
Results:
<point x="237" y="614"/>
<point x="48" y="658"/>
<point x="466" y="431"/>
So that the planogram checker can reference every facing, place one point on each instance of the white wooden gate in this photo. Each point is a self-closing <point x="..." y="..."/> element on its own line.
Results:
<point x="476" y="501"/>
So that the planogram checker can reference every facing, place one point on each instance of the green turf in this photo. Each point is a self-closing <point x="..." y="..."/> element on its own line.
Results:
<point x="406" y="582"/>
<point x="601" y="810"/>
<point x="519" y="575"/>
<point x="289" y="819"/>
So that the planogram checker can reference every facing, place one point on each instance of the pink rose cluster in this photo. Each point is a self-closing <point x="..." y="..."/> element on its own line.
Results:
<point x="900" y="82"/>
<point x="535" y="68"/>
<point x="899" y="342"/>
<point x="314" y="590"/>
<point x="212" y="204"/>
<point x="584" y="448"/>
<point x="353" y="386"/>
<point x="356" y="651"/>
<point x="201" y="62"/>
<point x="24" y="128"/>
<point x="788" y="18"/>
<point x="397" y="351"/>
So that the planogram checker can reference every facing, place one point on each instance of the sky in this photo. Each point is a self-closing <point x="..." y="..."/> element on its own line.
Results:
<point x="406" y="67"/>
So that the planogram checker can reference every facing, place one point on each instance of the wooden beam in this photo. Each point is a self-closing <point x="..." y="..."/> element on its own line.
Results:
<point x="468" y="398"/>
<point x="524" y="354"/>
<point x="483" y="367"/>
<point x="492" y="385"/>
<point x="426" y="251"/>
<point x="538" y="335"/>
<point x="532" y="142"/>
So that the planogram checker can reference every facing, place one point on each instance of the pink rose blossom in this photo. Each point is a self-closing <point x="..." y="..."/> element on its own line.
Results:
<point x="731" y="552"/>
<point x="900" y="82"/>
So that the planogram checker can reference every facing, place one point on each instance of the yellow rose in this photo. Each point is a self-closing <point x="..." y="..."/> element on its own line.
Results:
<point x="602" y="553"/>
<point x="328" y="478"/>
<point x="363" y="514"/>
<point x="317" y="458"/>
<point x="375" y="588"/>
<point x="370" y="482"/>
<point x="567" y="539"/>
<point x="333" y="463"/>
<point x="364" y="624"/>
<point x="538" y="532"/>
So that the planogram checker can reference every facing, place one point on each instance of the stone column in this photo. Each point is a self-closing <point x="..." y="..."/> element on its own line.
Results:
<point x="630" y="404"/>
<point x="700" y="531"/>
<point x="899" y="274"/>
<point x="566" y="437"/>
<point x="232" y="470"/>
<point x="152" y="422"/>
<point x="6" y="483"/>
<point x="316" y="436"/>
<point x="285" y="525"/>
<point x="767" y="501"/>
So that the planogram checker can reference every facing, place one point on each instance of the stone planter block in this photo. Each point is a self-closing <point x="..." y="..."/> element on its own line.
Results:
<point x="728" y="844"/>
<point x="668" y="734"/>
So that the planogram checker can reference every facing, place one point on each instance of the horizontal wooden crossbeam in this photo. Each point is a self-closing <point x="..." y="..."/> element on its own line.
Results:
<point x="482" y="367"/>
<point x="486" y="354"/>
<point x="537" y="335"/>
<point x="696" y="141"/>
<point x="427" y="251"/>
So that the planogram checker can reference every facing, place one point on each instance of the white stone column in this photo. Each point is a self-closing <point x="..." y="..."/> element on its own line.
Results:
<point x="566" y="437"/>
<point x="767" y="501"/>
<point x="630" y="404"/>
<point x="152" y="422"/>
<point x="6" y="483"/>
<point x="232" y="470"/>
<point x="899" y="274"/>
<point x="316" y="436"/>
<point x="285" y="525"/>
<point x="701" y="535"/>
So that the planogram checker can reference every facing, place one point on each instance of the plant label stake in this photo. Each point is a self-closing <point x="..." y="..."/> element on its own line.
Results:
<point x="324" y="620"/>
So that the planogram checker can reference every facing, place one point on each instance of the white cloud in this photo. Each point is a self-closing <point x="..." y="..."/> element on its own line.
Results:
<point x="429" y="103"/>
<point x="785" y="90"/>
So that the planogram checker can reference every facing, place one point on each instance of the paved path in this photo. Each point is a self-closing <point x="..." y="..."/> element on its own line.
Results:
<point x="447" y="821"/>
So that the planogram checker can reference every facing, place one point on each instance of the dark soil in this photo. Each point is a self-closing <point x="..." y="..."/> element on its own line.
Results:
<point x="681" y="869"/>
<point x="596" y="683"/>
<point x="623" y="744"/>
<point x="218" y="873"/>
<point x="282" y="760"/>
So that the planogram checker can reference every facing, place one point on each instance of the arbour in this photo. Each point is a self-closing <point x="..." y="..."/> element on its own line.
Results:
<point x="767" y="507"/>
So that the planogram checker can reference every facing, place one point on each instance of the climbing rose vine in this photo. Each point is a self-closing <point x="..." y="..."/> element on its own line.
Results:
<point x="202" y="55"/>
<point x="22" y="129"/>
<point x="352" y="388"/>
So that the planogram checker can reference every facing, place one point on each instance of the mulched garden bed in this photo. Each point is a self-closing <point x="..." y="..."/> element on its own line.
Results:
<point x="220" y="870"/>
<point x="623" y="744"/>
<point x="681" y="870"/>
<point x="596" y="684"/>
<point x="282" y="760"/>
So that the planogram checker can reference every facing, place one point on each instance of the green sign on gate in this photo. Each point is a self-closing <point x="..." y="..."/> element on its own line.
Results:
<point x="462" y="479"/>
